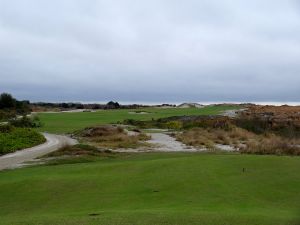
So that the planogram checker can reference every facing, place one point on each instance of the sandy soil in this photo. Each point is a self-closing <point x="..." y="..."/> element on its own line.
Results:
<point x="161" y="142"/>
<point x="166" y="143"/>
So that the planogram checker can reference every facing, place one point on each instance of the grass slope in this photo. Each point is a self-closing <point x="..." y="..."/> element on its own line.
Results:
<point x="69" y="122"/>
<point x="19" y="138"/>
<point x="155" y="188"/>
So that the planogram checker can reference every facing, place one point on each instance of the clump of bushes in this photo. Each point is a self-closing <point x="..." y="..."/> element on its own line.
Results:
<point x="25" y="121"/>
<point x="183" y="122"/>
<point x="208" y="137"/>
<point x="282" y="120"/>
<point x="174" y="125"/>
<point x="10" y="107"/>
<point x="6" y="128"/>
<point x="100" y="131"/>
<point x="271" y="144"/>
<point x="13" y="139"/>
<point x="240" y="139"/>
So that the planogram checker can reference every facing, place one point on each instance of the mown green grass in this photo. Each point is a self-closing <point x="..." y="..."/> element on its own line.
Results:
<point x="69" y="122"/>
<point x="155" y="188"/>
<point x="19" y="138"/>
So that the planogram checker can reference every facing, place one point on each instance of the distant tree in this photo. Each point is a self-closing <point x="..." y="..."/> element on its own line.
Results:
<point x="80" y="106"/>
<point x="23" y="107"/>
<point x="7" y="101"/>
<point x="113" y="105"/>
<point x="96" y="106"/>
<point x="64" y="105"/>
<point x="10" y="107"/>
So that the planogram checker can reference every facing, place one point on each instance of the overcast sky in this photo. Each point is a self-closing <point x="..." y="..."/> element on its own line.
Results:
<point x="154" y="50"/>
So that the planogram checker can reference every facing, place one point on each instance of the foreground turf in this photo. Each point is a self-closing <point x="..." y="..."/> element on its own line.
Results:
<point x="69" y="122"/>
<point x="156" y="188"/>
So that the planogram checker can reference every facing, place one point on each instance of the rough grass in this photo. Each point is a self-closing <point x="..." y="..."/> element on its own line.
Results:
<point x="70" y="122"/>
<point x="76" y="150"/>
<point x="272" y="144"/>
<point x="80" y="153"/>
<point x="241" y="139"/>
<point x="19" y="138"/>
<point x="156" y="188"/>
<point x="111" y="137"/>
<point x="202" y="137"/>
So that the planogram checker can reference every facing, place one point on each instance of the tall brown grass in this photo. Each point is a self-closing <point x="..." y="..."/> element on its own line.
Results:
<point x="271" y="144"/>
<point x="112" y="137"/>
<point x="241" y="139"/>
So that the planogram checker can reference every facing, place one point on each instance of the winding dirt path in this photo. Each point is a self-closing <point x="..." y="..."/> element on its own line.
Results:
<point x="17" y="159"/>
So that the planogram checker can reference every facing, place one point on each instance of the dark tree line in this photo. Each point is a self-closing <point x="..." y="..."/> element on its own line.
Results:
<point x="10" y="107"/>
<point x="95" y="106"/>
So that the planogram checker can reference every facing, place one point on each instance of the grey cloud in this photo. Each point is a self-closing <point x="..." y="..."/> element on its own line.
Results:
<point x="163" y="50"/>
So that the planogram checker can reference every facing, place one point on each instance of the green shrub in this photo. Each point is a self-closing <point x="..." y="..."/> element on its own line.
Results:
<point x="26" y="121"/>
<point x="6" y="128"/>
<point x="174" y="125"/>
<point x="19" y="138"/>
<point x="10" y="107"/>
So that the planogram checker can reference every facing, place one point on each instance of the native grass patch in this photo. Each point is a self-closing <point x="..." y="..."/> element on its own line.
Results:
<point x="111" y="137"/>
<point x="241" y="140"/>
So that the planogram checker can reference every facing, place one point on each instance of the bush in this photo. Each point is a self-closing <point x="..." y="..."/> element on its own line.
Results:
<point x="19" y="138"/>
<point x="6" y="128"/>
<point x="10" y="105"/>
<point x="7" y="101"/>
<point x="174" y="125"/>
<point x="271" y="144"/>
<point x="260" y="125"/>
<point x="26" y="121"/>
<point x="242" y="140"/>
<point x="7" y="114"/>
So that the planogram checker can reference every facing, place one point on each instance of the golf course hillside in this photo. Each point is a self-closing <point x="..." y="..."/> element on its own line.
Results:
<point x="149" y="112"/>
<point x="155" y="188"/>
<point x="152" y="166"/>
<point x="64" y="122"/>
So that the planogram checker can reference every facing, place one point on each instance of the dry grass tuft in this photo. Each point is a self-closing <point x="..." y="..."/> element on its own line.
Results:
<point x="78" y="150"/>
<point x="112" y="137"/>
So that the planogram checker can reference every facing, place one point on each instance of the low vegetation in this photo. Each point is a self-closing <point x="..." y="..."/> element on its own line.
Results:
<point x="282" y="120"/>
<point x="10" y="107"/>
<point x="184" y="122"/>
<point x="77" y="150"/>
<point x="13" y="139"/>
<point x="80" y="153"/>
<point x="240" y="139"/>
<point x="26" y="121"/>
<point x="111" y="137"/>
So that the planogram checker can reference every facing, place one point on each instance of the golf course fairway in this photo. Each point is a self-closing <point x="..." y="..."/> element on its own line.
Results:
<point x="155" y="188"/>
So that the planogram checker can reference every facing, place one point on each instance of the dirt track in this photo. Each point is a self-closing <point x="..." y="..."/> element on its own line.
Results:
<point x="17" y="159"/>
